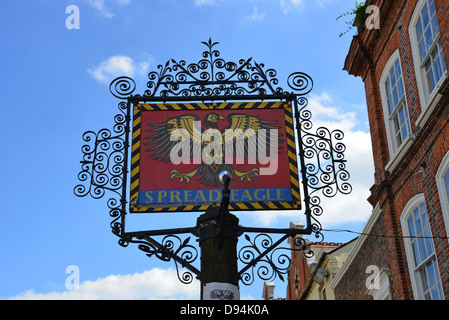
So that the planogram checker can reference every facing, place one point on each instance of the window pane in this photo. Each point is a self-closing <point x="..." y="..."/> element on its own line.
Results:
<point x="435" y="26"/>
<point x="425" y="16"/>
<point x="423" y="210"/>
<point x="393" y="77"/>
<point x="398" y="139"/>
<point x="396" y="126"/>
<point x="404" y="123"/>
<point x="388" y="86"/>
<point x="397" y="131"/>
<point x="431" y="273"/>
<point x="430" y="76"/>
<point x="437" y="68"/>
<point x="429" y="242"/>
<point x="422" y="248"/>
<point x="417" y="219"/>
<point x="424" y="281"/>
<point x="440" y="289"/>
<point x="422" y="50"/>
<point x="401" y="88"/>
<point x="395" y="96"/>
<point x="429" y="38"/>
<point x="398" y="69"/>
<point x="419" y="31"/>
<point x="390" y="104"/>
<point x="404" y="132"/>
<point x="443" y="63"/>
<point x="435" y="293"/>
<point x="401" y="117"/>
<point x="416" y="253"/>
<point x="411" y="226"/>
<point x="431" y="7"/>
<point x="434" y="280"/>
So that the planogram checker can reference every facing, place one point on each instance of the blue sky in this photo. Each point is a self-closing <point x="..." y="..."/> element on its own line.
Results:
<point x="54" y="87"/>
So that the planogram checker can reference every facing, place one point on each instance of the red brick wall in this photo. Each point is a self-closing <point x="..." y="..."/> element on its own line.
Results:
<point x="373" y="252"/>
<point x="416" y="172"/>
<point x="298" y="275"/>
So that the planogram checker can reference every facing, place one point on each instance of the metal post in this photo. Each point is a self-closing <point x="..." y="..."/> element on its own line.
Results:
<point x="218" y="235"/>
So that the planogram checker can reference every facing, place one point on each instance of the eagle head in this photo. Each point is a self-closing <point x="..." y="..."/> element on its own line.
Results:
<point x="212" y="119"/>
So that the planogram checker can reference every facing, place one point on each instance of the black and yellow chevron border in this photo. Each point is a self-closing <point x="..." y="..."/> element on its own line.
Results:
<point x="295" y="204"/>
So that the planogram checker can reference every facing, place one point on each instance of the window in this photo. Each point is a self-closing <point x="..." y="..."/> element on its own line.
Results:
<point x="397" y="106"/>
<point x="394" y="103"/>
<point x="420" y="251"/>
<point x="427" y="50"/>
<point x="442" y="180"/>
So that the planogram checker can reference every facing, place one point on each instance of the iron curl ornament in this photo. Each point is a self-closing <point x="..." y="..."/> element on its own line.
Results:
<point x="173" y="248"/>
<point x="263" y="257"/>
<point x="213" y="77"/>
<point x="321" y="163"/>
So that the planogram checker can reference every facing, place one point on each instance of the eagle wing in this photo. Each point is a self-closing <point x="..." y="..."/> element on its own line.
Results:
<point x="164" y="136"/>
<point x="243" y="127"/>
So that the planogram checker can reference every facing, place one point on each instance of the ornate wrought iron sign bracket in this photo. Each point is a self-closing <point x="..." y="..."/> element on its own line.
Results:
<point x="107" y="159"/>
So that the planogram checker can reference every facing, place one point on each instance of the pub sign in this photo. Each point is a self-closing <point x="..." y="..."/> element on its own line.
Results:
<point x="179" y="150"/>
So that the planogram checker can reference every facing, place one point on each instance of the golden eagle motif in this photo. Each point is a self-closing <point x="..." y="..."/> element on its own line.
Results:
<point x="242" y="127"/>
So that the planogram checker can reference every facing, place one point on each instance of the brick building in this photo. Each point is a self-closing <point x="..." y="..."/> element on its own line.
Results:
<point x="403" y="67"/>
<point x="323" y="271"/>
<point x="302" y="270"/>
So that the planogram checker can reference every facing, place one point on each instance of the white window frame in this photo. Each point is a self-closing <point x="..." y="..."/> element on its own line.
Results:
<point x="414" y="276"/>
<point x="396" y="152"/>
<point x="428" y="99"/>
<point x="443" y="169"/>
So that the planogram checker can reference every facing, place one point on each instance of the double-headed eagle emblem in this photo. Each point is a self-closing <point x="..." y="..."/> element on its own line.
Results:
<point x="164" y="141"/>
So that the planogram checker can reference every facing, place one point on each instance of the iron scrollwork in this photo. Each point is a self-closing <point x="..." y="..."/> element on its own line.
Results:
<point x="173" y="248"/>
<point x="323" y="164"/>
<point x="264" y="257"/>
<point x="102" y="164"/>
<point x="104" y="167"/>
<point x="212" y="77"/>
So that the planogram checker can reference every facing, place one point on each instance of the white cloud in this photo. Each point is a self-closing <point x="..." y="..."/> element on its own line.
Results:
<point x="323" y="3"/>
<point x="154" y="284"/>
<point x="286" y="5"/>
<point x="256" y="15"/>
<point x="204" y="2"/>
<point x="119" y="65"/>
<point x="104" y="9"/>
<point x="341" y="208"/>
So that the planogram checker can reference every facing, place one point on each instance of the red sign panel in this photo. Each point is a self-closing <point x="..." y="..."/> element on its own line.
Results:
<point x="179" y="150"/>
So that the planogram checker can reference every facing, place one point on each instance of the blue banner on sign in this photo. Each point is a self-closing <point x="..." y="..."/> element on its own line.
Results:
<point x="214" y="195"/>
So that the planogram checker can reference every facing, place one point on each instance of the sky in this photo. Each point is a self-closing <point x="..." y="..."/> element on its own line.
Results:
<point x="55" y="86"/>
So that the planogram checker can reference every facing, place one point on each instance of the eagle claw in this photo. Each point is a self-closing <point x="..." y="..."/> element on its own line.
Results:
<point x="175" y="174"/>
<point x="253" y="173"/>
